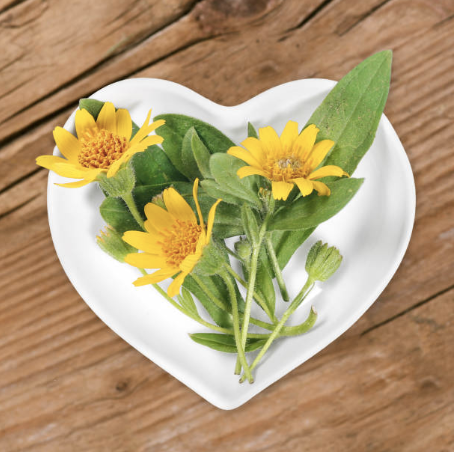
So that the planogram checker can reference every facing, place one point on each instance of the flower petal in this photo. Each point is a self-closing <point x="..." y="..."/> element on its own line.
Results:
<point x="322" y="188"/>
<point x="175" y="286"/>
<point x="270" y="140"/>
<point x="76" y="184"/>
<point x="254" y="146"/>
<point x="210" y="223"/>
<point x="177" y="206"/>
<point x="189" y="262"/>
<point x="146" y="129"/>
<point x="69" y="170"/>
<point x="250" y="171"/>
<point x="84" y="122"/>
<point x="289" y="135"/>
<point x="305" y="141"/>
<point x="330" y="170"/>
<point x="49" y="161"/>
<point x="145" y="260"/>
<point x="319" y="152"/>
<point x="124" y="123"/>
<point x="156" y="277"/>
<point x="305" y="186"/>
<point x="67" y="144"/>
<point x="244" y="155"/>
<point x="195" y="189"/>
<point x="107" y="119"/>
<point x="144" y="241"/>
<point x="281" y="190"/>
<point x="159" y="218"/>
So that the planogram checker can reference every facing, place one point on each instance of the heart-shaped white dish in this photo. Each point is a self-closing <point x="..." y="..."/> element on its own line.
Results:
<point x="372" y="233"/>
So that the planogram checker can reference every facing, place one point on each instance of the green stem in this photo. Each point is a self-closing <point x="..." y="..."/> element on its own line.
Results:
<point x="257" y="297"/>
<point x="236" y="328"/>
<point x="286" y="331"/>
<point x="129" y="200"/>
<point x="291" y="309"/>
<point x="229" y="251"/>
<point x="276" y="267"/>
<point x="250" y="288"/>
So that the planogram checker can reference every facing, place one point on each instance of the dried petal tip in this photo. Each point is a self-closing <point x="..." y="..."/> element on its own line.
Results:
<point x="111" y="243"/>
<point x="322" y="261"/>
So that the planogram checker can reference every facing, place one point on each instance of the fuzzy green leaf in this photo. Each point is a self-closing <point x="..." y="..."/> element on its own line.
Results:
<point x="191" y="169"/>
<point x="116" y="214"/>
<point x="225" y="342"/>
<point x="251" y="132"/>
<point x="201" y="155"/>
<point x="350" y="113"/>
<point x="216" y="286"/>
<point x="93" y="106"/>
<point x="224" y="169"/>
<point x="176" y="127"/>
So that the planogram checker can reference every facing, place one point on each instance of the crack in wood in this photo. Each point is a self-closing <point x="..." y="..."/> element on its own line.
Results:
<point x="12" y="5"/>
<point x="107" y="59"/>
<point x="406" y="311"/>
<point x="316" y="11"/>
<point x="363" y="17"/>
<point x="18" y="207"/>
<point x="20" y="180"/>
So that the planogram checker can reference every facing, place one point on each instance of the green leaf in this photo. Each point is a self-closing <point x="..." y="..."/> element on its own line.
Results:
<point x="212" y="189"/>
<point x="264" y="280"/>
<point x="93" y="106"/>
<point x="285" y="243"/>
<point x="225" y="342"/>
<point x="116" y="214"/>
<point x="251" y="132"/>
<point x="187" y="302"/>
<point x="154" y="172"/>
<point x="201" y="154"/>
<point x="250" y="224"/>
<point x="153" y="167"/>
<point x="216" y="286"/>
<point x="191" y="169"/>
<point x="176" y="127"/>
<point x="224" y="168"/>
<point x="308" y="212"/>
<point x="350" y="113"/>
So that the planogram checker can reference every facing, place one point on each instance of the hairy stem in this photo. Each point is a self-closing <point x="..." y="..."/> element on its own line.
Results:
<point x="276" y="268"/>
<point x="129" y="200"/>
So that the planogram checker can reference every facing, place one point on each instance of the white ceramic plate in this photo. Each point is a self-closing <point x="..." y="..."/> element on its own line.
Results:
<point x="372" y="233"/>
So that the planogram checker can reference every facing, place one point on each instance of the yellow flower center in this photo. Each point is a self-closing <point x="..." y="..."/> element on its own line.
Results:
<point x="285" y="168"/>
<point x="180" y="241"/>
<point x="101" y="148"/>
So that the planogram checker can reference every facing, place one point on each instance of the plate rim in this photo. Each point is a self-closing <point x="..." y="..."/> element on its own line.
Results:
<point x="217" y="399"/>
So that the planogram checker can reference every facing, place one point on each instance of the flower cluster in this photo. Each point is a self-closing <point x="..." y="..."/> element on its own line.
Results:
<point x="170" y="209"/>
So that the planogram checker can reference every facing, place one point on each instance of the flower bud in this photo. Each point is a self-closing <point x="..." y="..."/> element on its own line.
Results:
<point x="111" y="243"/>
<point x="243" y="249"/>
<point x="322" y="262"/>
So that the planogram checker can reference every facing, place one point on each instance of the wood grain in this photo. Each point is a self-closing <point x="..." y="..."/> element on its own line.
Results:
<point x="69" y="383"/>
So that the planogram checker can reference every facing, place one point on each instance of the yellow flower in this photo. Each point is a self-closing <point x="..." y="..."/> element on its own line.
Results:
<point x="101" y="146"/>
<point x="173" y="241"/>
<point x="288" y="160"/>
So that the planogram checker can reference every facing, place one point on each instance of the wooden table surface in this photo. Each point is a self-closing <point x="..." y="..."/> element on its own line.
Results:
<point x="68" y="383"/>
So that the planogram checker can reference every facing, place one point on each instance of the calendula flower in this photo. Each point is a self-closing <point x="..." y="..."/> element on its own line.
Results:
<point x="101" y="146"/>
<point x="173" y="242"/>
<point x="288" y="160"/>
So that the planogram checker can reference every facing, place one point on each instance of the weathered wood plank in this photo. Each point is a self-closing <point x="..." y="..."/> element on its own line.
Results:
<point x="394" y="379"/>
<point x="69" y="383"/>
